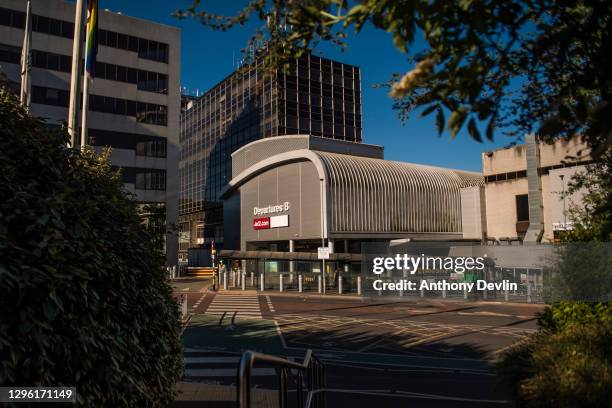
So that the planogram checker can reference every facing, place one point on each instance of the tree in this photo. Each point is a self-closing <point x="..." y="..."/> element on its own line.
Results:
<point x="475" y="53"/>
<point x="83" y="296"/>
<point x="522" y="66"/>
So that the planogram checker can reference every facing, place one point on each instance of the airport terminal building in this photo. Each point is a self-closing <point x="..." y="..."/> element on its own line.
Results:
<point x="294" y="193"/>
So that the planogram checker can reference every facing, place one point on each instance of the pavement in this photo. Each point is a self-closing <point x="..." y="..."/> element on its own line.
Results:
<point x="405" y="352"/>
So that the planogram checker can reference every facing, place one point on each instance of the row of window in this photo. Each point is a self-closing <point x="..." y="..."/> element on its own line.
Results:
<point x="144" y="179"/>
<point x="153" y="179"/>
<point x="147" y="49"/>
<point x="541" y="171"/>
<point x="144" y="80"/>
<point x="144" y="145"/>
<point x="144" y="112"/>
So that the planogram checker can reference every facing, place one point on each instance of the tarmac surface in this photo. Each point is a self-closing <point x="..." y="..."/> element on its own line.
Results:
<point x="396" y="352"/>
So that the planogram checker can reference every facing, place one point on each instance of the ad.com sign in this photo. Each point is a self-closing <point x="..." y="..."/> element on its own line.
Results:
<point x="277" y="221"/>
<point x="261" y="223"/>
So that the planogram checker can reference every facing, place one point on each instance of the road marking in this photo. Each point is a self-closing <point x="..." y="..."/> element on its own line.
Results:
<point x="280" y="334"/>
<point x="196" y="304"/>
<point x="270" y="306"/>
<point x="246" y="306"/>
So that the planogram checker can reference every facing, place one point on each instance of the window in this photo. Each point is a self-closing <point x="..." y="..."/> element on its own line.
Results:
<point x="122" y="74"/>
<point x="10" y="54"/>
<point x="12" y="18"/>
<point x="151" y="148"/>
<point x="522" y="208"/>
<point x="50" y="96"/>
<point x="150" y="179"/>
<point x="122" y="41"/>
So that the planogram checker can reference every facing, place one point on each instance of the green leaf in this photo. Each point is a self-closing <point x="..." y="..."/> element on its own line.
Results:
<point x="440" y="120"/>
<point x="473" y="129"/>
<point x="428" y="110"/>
<point x="456" y="121"/>
<point x="490" y="129"/>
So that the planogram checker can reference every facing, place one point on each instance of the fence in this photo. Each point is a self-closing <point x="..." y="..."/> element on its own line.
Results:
<point x="521" y="284"/>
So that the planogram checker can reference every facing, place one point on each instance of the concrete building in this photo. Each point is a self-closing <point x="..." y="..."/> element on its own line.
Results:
<point x="524" y="188"/>
<point x="291" y="193"/>
<point x="134" y="99"/>
<point x="316" y="96"/>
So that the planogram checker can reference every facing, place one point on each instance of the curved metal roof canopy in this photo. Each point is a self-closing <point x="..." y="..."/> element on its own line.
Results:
<point x="374" y="195"/>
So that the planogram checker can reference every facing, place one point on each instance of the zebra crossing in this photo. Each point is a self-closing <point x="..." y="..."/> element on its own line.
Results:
<point x="216" y="366"/>
<point x="238" y="306"/>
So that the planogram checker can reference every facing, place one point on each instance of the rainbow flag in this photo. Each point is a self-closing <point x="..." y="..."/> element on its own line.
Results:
<point x="91" y="45"/>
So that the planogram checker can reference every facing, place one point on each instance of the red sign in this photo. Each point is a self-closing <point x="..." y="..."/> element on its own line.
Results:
<point x="261" y="223"/>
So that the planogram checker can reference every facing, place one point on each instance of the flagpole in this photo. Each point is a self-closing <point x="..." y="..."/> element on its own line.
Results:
<point x="77" y="55"/>
<point x="86" y="81"/>
<point x="26" y="59"/>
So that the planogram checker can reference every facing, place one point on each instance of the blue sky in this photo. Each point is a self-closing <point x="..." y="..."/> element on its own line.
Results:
<point x="207" y="57"/>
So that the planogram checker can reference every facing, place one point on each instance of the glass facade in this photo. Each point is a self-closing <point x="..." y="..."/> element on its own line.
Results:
<point x="315" y="96"/>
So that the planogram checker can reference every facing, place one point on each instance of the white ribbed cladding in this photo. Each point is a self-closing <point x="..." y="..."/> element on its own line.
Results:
<point x="378" y="196"/>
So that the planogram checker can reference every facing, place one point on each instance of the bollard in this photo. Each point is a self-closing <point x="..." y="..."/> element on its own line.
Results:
<point x="184" y="306"/>
<point x="484" y="294"/>
<point x="319" y="282"/>
<point x="252" y="276"/>
<point x="280" y="282"/>
<point x="290" y="280"/>
<point x="528" y="292"/>
<point x="422" y="290"/>
<point x="506" y="294"/>
<point x="465" y="293"/>
<point x="339" y="285"/>
<point x="359" y="285"/>
<point x="174" y="272"/>
<point x="224" y="280"/>
<point x="300" y="283"/>
<point x="243" y="280"/>
<point x="443" y="293"/>
<point x="261" y="281"/>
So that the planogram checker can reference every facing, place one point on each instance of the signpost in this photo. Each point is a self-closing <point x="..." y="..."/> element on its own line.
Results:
<point x="216" y="274"/>
<point x="323" y="254"/>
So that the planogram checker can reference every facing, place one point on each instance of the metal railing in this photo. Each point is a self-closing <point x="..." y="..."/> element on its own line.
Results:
<point x="311" y="369"/>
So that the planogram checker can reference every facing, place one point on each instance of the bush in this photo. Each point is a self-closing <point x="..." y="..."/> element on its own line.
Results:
<point x="83" y="297"/>
<point x="561" y="315"/>
<point x="568" y="363"/>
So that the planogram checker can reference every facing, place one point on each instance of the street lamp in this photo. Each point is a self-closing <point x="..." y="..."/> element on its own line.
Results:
<point x="562" y="176"/>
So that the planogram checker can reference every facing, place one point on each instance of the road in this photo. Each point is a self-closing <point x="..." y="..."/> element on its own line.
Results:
<point x="428" y="352"/>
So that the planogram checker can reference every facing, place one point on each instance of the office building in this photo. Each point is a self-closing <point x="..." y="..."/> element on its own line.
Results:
<point x="134" y="101"/>
<point x="315" y="96"/>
